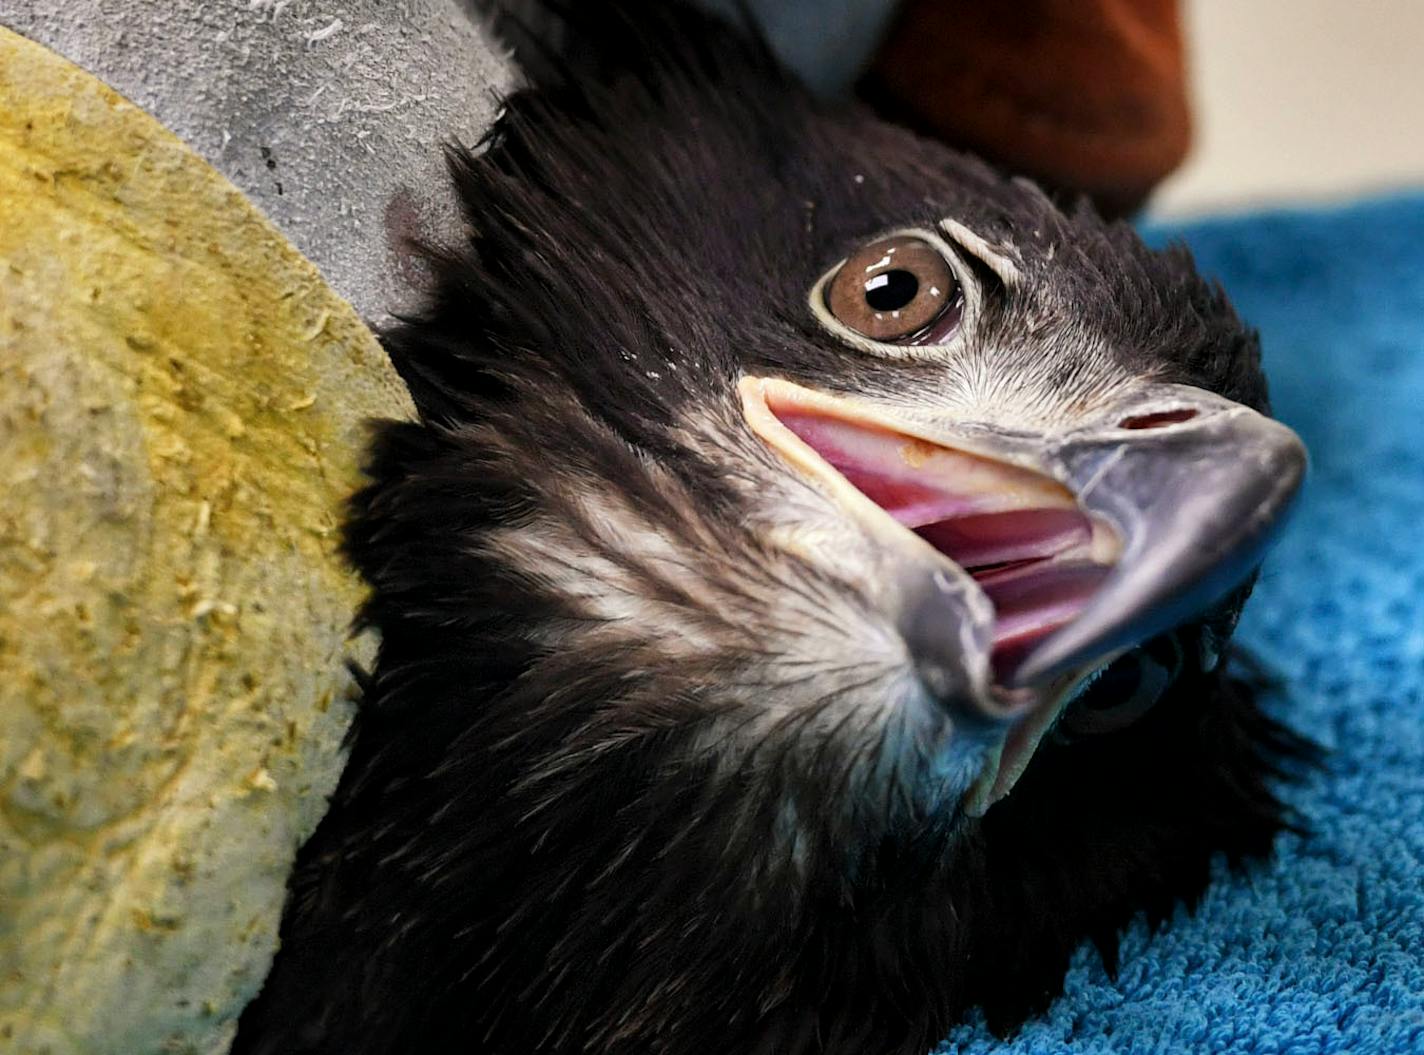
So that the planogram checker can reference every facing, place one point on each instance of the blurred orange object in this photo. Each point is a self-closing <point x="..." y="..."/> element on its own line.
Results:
<point x="1086" y="96"/>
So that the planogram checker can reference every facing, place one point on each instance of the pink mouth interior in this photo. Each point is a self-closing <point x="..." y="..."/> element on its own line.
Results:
<point x="1021" y="537"/>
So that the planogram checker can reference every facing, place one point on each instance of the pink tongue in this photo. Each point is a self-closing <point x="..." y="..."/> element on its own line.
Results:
<point x="998" y="538"/>
<point x="1033" y="600"/>
<point x="942" y="495"/>
<point x="1009" y="555"/>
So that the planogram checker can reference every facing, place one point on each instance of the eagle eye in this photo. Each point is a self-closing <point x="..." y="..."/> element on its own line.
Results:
<point x="894" y="289"/>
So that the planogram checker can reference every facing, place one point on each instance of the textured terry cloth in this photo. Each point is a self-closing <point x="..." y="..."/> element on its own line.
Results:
<point x="1321" y="949"/>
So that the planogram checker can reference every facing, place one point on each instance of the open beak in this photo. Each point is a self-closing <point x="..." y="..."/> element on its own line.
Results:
<point x="1084" y="542"/>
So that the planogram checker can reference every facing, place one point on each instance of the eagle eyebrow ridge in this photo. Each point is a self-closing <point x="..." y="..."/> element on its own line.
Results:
<point x="1003" y="262"/>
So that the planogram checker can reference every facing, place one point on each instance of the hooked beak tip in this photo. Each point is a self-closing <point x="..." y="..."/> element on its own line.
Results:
<point x="1198" y="506"/>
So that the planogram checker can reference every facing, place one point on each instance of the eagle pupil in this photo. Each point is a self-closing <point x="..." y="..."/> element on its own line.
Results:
<point x="891" y="290"/>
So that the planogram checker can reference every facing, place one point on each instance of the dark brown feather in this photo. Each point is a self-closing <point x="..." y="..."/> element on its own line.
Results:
<point x="534" y="847"/>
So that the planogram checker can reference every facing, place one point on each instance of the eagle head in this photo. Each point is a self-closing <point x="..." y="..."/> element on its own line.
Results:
<point x="802" y="596"/>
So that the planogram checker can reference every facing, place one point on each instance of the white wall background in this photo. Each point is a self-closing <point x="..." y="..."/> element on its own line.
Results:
<point x="1301" y="100"/>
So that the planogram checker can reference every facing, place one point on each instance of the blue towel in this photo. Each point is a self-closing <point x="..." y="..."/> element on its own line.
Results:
<point x="1321" y="949"/>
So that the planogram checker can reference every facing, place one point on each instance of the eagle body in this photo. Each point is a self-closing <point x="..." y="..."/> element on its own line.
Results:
<point x="672" y="746"/>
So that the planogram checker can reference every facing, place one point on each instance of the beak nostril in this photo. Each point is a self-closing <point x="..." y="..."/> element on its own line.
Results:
<point x="1157" y="419"/>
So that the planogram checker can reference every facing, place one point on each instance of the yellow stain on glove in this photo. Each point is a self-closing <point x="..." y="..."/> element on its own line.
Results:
<point x="182" y="409"/>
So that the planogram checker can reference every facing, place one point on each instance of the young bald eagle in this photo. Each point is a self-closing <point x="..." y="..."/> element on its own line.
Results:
<point x="787" y="490"/>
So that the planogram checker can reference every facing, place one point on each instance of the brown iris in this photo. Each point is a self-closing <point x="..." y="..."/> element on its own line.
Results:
<point x="892" y="289"/>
